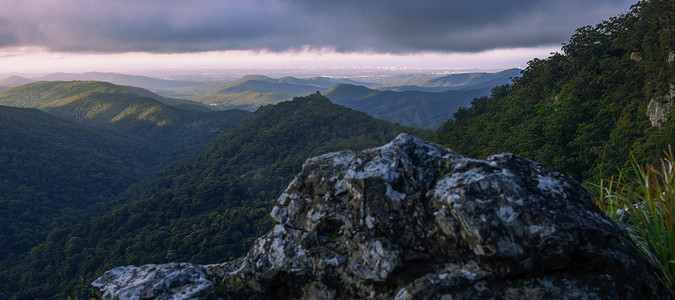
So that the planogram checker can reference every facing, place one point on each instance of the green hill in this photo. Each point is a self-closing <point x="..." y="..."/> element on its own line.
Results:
<point x="252" y="91"/>
<point x="585" y="111"/>
<point x="43" y="94"/>
<point x="205" y="209"/>
<point x="53" y="173"/>
<point x="410" y="108"/>
<point x="130" y="110"/>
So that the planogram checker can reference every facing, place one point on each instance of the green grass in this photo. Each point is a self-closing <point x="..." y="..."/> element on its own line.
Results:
<point x="646" y="207"/>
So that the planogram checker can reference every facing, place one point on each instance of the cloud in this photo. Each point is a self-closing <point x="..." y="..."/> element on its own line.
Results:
<point x="381" y="26"/>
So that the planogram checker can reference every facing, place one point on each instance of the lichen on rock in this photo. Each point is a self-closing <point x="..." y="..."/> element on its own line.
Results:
<point x="413" y="220"/>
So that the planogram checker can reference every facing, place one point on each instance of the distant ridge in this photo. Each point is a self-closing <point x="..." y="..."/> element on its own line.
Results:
<point x="479" y="80"/>
<point x="410" y="108"/>
<point x="52" y="93"/>
<point x="122" y="79"/>
<point x="116" y="78"/>
<point x="130" y="110"/>
<point x="14" y="81"/>
<point x="252" y="91"/>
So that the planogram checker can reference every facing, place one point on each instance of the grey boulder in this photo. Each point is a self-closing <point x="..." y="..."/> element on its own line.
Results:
<point x="413" y="220"/>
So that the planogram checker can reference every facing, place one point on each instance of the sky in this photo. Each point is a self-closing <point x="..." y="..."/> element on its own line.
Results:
<point x="40" y="36"/>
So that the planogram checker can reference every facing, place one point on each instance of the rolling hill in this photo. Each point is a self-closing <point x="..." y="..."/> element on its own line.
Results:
<point x="53" y="93"/>
<point x="204" y="209"/>
<point x="120" y="79"/>
<point x="422" y="102"/>
<point x="460" y="81"/>
<point x="134" y="111"/>
<point x="115" y="78"/>
<point x="410" y="108"/>
<point x="252" y="91"/>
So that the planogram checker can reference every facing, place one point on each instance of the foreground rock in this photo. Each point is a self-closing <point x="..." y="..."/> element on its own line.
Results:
<point x="412" y="220"/>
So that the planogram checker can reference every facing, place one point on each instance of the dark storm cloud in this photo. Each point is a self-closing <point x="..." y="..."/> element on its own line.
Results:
<point x="395" y="26"/>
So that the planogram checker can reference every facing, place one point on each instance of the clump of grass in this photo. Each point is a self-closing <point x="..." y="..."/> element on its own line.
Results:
<point x="647" y="208"/>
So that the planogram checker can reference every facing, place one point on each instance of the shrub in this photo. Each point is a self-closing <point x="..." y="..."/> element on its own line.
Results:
<point x="646" y="207"/>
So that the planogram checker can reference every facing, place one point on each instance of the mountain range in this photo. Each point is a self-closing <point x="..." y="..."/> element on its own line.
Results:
<point x="412" y="100"/>
<point x="458" y="81"/>
<point x="410" y="108"/>
<point x="116" y="78"/>
<point x="252" y="91"/>
<point x="422" y="102"/>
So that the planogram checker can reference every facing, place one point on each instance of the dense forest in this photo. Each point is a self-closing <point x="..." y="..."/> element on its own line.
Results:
<point x="205" y="209"/>
<point x="54" y="172"/>
<point x="585" y="111"/>
<point x="91" y="141"/>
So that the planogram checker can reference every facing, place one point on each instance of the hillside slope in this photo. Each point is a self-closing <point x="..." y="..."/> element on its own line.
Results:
<point x="130" y="110"/>
<point x="252" y="91"/>
<point x="586" y="111"/>
<point x="410" y="108"/>
<point x="43" y="94"/>
<point x="460" y="81"/>
<point x="52" y="172"/>
<point x="120" y="79"/>
<point x="204" y="209"/>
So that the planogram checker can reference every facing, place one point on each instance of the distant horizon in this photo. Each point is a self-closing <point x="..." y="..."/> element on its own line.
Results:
<point x="372" y="74"/>
<point x="226" y="66"/>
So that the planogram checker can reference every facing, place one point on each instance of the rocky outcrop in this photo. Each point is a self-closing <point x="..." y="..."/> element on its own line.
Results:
<point x="412" y="220"/>
<point x="167" y="281"/>
<point x="658" y="108"/>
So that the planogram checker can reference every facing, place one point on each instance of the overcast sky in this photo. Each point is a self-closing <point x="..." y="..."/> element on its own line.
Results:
<point x="313" y="30"/>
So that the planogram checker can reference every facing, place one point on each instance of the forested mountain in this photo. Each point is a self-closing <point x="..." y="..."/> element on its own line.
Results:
<point x="205" y="209"/>
<point x="585" y="111"/>
<point x="464" y="81"/>
<point x="134" y="111"/>
<point x="43" y="94"/>
<point x="252" y="91"/>
<point x="409" y="108"/>
<point x="143" y="82"/>
<point x="53" y="172"/>
<point x="56" y="173"/>
<point x="420" y="102"/>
